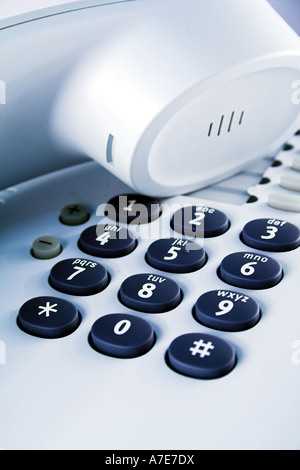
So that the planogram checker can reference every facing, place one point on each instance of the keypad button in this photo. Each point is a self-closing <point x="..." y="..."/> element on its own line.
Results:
<point x="199" y="221"/>
<point x="133" y="209"/>
<point x="150" y="293"/>
<point x="78" y="277"/>
<point x="107" y="241"/>
<point x="227" y="310"/>
<point x="176" y="255"/>
<point x="250" y="270"/>
<point x="201" y="356"/>
<point x="48" y="317"/>
<point x="46" y="247"/>
<point x="74" y="214"/>
<point x="271" y="235"/>
<point x="121" y="335"/>
<point x="284" y="201"/>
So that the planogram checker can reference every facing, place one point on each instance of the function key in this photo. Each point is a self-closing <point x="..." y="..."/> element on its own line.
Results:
<point x="227" y="310"/>
<point x="46" y="247"/>
<point x="74" y="214"/>
<point x="133" y="209"/>
<point x="201" y="356"/>
<point x="121" y="335"/>
<point x="48" y="317"/>
<point x="250" y="270"/>
<point x="77" y="276"/>
<point x="271" y="235"/>
<point x="150" y="293"/>
<point x="176" y="255"/>
<point x="200" y="221"/>
<point x="107" y="241"/>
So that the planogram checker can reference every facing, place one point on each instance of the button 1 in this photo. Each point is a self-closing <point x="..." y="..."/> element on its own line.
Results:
<point x="74" y="214"/>
<point x="107" y="241"/>
<point x="133" y="208"/>
<point x="78" y="277"/>
<point x="176" y="255"/>
<point x="271" y="235"/>
<point x="48" y="317"/>
<point x="201" y="356"/>
<point x="227" y="310"/>
<point x="121" y="335"/>
<point x="150" y="293"/>
<point x="46" y="247"/>
<point x="250" y="270"/>
<point x="199" y="221"/>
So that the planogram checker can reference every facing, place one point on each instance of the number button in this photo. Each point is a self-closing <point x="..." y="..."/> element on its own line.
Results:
<point x="107" y="241"/>
<point x="48" y="317"/>
<point x="133" y="209"/>
<point x="227" y="310"/>
<point x="150" y="293"/>
<point x="199" y="221"/>
<point x="201" y="356"/>
<point x="176" y="255"/>
<point x="271" y="235"/>
<point x="78" y="277"/>
<point x="250" y="270"/>
<point x="121" y="335"/>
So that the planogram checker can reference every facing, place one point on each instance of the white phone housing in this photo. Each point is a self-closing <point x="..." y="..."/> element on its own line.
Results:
<point x="169" y="95"/>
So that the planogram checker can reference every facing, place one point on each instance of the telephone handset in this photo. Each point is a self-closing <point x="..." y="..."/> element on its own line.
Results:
<point x="133" y="316"/>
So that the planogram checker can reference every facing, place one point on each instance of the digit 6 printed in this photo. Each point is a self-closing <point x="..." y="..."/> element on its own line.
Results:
<point x="248" y="269"/>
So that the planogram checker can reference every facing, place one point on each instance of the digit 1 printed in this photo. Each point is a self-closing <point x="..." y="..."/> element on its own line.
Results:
<point x="130" y="205"/>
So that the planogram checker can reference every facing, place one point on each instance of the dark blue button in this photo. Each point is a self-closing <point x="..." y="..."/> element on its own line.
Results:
<point x="133" y="209"/>
<point x="150" y="293"/>
<point x="122" y="335"/>
<point x="176" y="255"/>
<point x="200" y="221"/>
<point x="107" y="241"/>
<point x="201" y="356"/>
<point x="250" y="270"/>
<point x="271" y="235"/>
<point x="227" y="310"/>
<point x="78" y="276"/>
<point x="48" y="317"/>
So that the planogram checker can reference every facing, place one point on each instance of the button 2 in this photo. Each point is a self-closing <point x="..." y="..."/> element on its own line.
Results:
<point x="48" y="317"/>
<point x="199" y="221"/>
<point x="150" y="293"/>
<point x="201" y="356"/>
<point x="121" y="335"/>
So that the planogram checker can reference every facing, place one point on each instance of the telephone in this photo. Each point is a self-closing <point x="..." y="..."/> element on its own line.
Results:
<point x="149" y="207"/>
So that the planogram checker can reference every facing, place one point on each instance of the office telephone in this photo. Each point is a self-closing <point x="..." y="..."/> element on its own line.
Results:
<point x="150" y="301"/>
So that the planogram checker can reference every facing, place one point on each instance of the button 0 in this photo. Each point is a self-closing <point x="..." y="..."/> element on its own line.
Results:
<point x="122" y="335"/>
<point x="201" y="356"/>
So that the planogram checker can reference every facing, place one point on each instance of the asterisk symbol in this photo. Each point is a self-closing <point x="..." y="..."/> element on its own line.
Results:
<point x="47" y="309"/>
